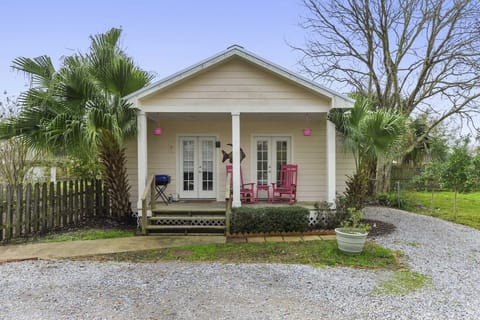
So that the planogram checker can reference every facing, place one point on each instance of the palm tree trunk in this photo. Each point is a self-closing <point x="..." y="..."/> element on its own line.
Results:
<point x="372" y="176"/>
<point x="384" y="170"/>
<point x="115" y="176"/>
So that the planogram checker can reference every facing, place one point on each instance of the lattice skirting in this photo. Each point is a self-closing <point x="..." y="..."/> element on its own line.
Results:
<point x="316" y="219"/>
<point x="321" y="219"/>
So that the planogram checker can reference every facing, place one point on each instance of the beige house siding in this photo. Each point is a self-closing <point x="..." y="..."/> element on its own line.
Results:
<point x="307" y="152"/>
<point x="345" y="165"/>
<point x="238" y="83"/>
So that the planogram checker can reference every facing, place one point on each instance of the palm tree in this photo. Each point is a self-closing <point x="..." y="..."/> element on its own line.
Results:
<point x="370" y="135"/>
<point x="78" y="109"/>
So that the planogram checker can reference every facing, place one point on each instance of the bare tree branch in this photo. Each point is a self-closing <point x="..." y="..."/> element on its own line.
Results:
<point x="409" y="56"/>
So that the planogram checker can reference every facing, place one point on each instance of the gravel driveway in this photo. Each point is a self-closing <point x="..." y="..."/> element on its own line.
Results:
<point x="447" y="252"/>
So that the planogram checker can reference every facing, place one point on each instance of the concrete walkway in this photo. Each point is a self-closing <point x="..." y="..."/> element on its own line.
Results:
<point x="49" y="250"/>
<point x="101" y="246"/>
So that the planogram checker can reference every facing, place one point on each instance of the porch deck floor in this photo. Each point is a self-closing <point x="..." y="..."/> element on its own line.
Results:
<point x="217" y="206"/>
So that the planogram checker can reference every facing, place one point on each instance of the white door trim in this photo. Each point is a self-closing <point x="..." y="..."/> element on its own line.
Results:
<point x="179" y="166"/>
<point x="253" y="151"/>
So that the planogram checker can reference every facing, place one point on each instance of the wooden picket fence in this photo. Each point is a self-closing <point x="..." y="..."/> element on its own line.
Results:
<point x="32" y="209"/>
<point x="403" y="174"/>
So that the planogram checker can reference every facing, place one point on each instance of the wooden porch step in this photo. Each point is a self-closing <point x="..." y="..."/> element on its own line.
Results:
<point x="171" y="217"/>
<point x="187" y="219"/>
<point x="182" y="227"/>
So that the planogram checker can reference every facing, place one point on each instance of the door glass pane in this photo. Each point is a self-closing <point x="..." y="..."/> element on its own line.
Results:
<point x="207" y="150"/>
<point x="281" y="154"/>
<point x="188" y="165"/>
<point x="262" y="162"/>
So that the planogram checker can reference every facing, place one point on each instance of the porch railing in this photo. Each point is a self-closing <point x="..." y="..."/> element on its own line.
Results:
<point x="228" y="202"/>
<point x="148" y="194"/>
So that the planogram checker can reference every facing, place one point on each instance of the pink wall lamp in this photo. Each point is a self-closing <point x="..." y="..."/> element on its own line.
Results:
<point x="157" y="131"/>
<point x="307" y="131"/>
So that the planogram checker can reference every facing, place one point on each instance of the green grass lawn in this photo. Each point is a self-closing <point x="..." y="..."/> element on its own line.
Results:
<point x="402" y="283"/>
<point x="316" y="253"/>
<point x="91" y="234"/>
<point x="468" y="206"/>
<point x="88" y="234"/>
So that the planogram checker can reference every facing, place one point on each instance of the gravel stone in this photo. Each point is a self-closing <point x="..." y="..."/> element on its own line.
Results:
<point x="447" y="252"/>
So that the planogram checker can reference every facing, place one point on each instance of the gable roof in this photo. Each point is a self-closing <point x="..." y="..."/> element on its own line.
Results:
<point x="339" y="100"/>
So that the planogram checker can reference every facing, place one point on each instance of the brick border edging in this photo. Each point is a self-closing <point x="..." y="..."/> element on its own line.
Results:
<point x="273" y="234"/>
<point x="3" y="261"/>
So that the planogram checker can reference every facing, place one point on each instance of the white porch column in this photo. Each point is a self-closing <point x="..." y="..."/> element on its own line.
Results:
<point x="142" y="155"/>
<point x="331" y="162"/>
<point x="236" y="159"/>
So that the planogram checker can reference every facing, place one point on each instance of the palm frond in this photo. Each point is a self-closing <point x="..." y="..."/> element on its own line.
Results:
<point x="40" y="70"/>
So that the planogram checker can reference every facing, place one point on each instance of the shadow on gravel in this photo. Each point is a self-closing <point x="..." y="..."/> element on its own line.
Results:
<point x="379" y="228"/>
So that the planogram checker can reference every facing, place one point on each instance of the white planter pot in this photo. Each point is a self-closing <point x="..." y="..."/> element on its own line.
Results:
<point x="351" y="242"/>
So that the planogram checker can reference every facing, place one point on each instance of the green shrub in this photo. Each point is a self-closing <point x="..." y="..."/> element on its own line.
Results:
<point x="356" y="190"/>
<point x="392" y="200"/>
<point x="269" y="219"/>
<point x="382" y="199"/>
<point x="342" y="212"/>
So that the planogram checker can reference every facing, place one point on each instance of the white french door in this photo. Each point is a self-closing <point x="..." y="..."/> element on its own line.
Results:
<point x="270" y="154"/>
<point x="197" y="167"/>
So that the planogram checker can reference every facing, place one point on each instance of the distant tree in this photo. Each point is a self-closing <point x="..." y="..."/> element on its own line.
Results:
<point x="16" y="158"/>
<point x="9" y="106"/>
<point x="475" y="172"/>
<point x="14" y="161"/>
<point x="438" y="148"/>
<point x="430" y="179"/>
<point x="456" y="171"/>
<point x="413" y="56"/>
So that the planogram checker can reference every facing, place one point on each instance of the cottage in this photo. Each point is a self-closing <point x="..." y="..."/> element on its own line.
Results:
<point x="237" y="102"/>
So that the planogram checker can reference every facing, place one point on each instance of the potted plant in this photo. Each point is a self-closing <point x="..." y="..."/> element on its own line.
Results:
<point x="352" y="234"/>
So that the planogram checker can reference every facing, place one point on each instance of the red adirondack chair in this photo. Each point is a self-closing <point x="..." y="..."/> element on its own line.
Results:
<point x="247" y="190"/>
<point x="286" y="188"/>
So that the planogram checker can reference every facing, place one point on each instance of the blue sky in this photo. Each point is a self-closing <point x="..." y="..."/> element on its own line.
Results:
<point x="162" y="36"/>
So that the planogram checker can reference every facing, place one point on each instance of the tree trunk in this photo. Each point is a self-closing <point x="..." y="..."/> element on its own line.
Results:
<point x="384" y="170"/>
<point x="455" y="204"/>
<point x="115" y="175"/>
<point x="432" y="201"/>
<point x="372" y="176"/>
